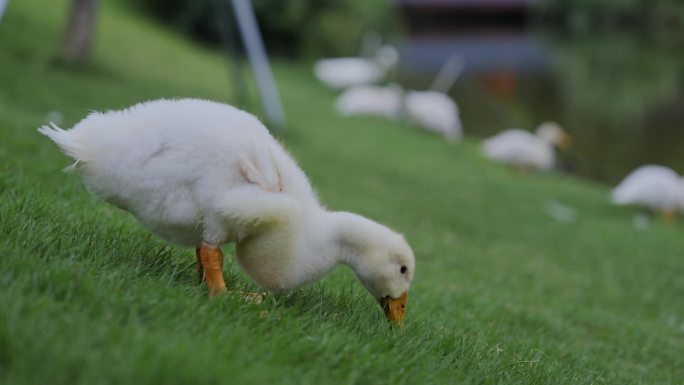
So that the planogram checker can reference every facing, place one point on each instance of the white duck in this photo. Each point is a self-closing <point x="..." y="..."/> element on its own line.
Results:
<point x="200" y="173"/>
<point x="432" y="110"/>
<point x="382" y="101"/>
<point x="341" y="73"/>
<point x="655" y="187"/>
<point x="527" y="151"/>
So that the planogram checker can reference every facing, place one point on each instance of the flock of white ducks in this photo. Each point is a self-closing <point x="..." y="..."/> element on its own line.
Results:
<point x="431" y="110"/>
<point x="203" y="174"/>
<point x="654" y="187"/>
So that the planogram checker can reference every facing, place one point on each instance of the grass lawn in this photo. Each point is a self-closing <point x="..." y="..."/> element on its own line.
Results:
<point x="503" y="293"/>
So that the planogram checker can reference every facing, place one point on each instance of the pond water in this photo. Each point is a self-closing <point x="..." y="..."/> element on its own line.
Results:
<point x="620" y="95"/>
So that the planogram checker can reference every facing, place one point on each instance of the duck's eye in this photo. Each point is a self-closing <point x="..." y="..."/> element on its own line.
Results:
<point x="403" y="270"/>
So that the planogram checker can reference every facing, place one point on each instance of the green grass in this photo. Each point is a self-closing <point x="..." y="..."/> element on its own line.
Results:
<point x="503" y="294"/>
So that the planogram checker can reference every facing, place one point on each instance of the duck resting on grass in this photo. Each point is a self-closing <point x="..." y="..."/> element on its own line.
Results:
<point x="526" y="151"/>
<point x="202" y="174"/>
<point x="345" y="72"/>
<point x="657" y="188"/>
<point x="431" y="110"/>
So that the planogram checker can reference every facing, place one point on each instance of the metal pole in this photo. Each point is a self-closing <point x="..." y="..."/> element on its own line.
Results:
<point x="3" y="7"/>
<point x="231" y="45"/>
<point x="448" y="74"/>
<point x="259" y="62"/>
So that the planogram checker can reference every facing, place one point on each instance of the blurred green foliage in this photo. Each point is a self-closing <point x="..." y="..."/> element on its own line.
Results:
<point x="294" y="27"/>
<point x="626" y="76"/>
<point x="588" y="14"/>
<point x="625" y="90"/>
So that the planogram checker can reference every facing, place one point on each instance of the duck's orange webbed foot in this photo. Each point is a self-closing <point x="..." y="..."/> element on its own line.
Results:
<point x="210" y="268"/>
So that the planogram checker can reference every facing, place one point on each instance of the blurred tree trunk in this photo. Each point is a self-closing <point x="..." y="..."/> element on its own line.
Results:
<point x="78" y="37"/>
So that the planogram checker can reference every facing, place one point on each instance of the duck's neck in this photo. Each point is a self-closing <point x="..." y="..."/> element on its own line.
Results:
<point x="330" y="238"/>
<point x="307" y="249"/>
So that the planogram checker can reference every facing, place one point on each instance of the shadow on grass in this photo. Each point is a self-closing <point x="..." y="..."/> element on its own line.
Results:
<point x="89" y="68"/>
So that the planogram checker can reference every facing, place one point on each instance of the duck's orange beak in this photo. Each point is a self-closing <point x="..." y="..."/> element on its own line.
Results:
<point x="565" y="142"/>
<point x="395" y="308"/>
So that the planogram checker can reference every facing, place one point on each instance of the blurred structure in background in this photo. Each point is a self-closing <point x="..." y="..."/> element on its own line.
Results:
<point x="3" y="8"/>
<point x="489" y="35"/>
<point x="251" y="39"/>
<point x="301" y="28"/>
<point x="78" y="37"/>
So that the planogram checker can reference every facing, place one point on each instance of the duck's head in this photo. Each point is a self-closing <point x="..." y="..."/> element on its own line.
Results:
<point x="553" y="133"/>
<point x="387" y="56"/>
<point x="383" y="262"/>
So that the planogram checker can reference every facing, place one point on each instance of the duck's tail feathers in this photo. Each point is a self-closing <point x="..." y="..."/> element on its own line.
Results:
<point x="66" y="143"/>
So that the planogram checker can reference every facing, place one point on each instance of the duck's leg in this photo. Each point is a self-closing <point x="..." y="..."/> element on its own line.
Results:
<point x="210" y="258"/>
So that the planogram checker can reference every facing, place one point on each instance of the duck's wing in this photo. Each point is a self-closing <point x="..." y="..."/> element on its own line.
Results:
<point x="255" y="200"/>
<point x="654" y="186"/>
<point x="258" y="167"/>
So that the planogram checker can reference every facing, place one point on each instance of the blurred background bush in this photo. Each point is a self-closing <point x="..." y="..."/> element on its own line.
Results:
<point x="327" y="27"/>
<point x="609" y="13"/>
<point x="291" y="28"/>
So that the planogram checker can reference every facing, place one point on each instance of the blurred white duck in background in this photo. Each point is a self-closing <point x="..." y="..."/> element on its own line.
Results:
<point x="345" y="72"/>
<point x="369" y="100"/>
<point x="199" y="173"/>
<point x="434" y="111"/>
<point x="431" y="110"/>
<point x="657" y="188"/>
<point x="527" y="151"/>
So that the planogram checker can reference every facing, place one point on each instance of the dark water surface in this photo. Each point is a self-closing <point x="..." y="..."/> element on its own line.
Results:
<point x="619" y="95"/>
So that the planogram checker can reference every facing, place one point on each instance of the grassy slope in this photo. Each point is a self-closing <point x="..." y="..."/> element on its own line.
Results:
<point x="503" y="293"/>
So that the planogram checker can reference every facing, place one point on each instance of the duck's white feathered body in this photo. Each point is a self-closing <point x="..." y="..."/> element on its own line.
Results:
<point x="655" y="187"/>
<point x="345" y="72"/>
<point x="435" y="111"/>
<point x="520" y="148"/>
<point x="431" y="110"/>
<point x="176" y="166"/>
<point x="198" y="172"/>
<point x="152" y="160"/>
<point x="525" y="150"/>
<point x="340" y="73"/>
<point x="385" y="102"/>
